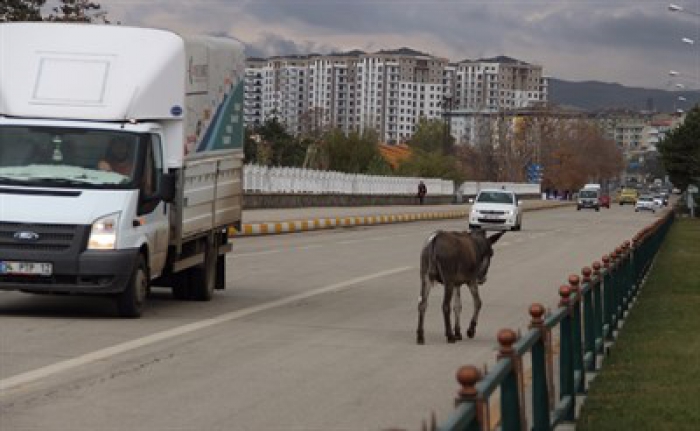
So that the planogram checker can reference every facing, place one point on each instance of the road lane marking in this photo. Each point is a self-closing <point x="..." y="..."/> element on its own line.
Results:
<point x="20" y="380"/>
<point x="309" y="247"/>
<point x="255" y="253"/>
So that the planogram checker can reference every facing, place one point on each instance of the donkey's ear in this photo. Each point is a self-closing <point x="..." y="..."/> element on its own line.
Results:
<point x="496" y="237"/>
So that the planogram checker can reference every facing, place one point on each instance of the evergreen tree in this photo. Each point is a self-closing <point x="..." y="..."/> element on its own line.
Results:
<point x="680" y="151"/>
<point x="354" y="153"/>
<point x="21" y="10"/>
<point x="273" y="146"/>
<point x="432" y="136"/>
<point x="78" y="11"/>
<point x="65" y="10"/>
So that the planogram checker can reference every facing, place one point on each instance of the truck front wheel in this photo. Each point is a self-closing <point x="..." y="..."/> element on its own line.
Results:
<point x="130" y="302"/>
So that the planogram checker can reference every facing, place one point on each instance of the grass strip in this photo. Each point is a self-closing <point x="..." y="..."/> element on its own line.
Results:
<point x="651" y="380"/>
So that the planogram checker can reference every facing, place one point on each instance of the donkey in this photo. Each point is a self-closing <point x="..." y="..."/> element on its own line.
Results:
<point x="453" y="259"/>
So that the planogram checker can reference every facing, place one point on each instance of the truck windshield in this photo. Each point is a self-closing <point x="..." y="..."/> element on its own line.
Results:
<point x="67" y="157"/>
<point x="495" y="197"/>
<point x="588" y="194"/>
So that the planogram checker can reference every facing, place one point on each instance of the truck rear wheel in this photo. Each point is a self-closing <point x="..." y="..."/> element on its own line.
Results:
<point x="203" y="277"/>
<point x="130" y="302"/>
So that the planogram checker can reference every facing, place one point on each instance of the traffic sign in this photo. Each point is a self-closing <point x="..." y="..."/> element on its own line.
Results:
<point x="534" y="172"/>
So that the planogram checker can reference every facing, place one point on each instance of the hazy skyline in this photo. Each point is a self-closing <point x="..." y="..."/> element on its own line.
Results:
<point x="631" y="42"/>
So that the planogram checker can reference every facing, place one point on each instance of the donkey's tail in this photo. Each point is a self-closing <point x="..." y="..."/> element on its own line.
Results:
<point x="433" y="270"/>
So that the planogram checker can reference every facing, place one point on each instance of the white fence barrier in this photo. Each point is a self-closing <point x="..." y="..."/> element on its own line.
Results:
<point x="265" y="179"/>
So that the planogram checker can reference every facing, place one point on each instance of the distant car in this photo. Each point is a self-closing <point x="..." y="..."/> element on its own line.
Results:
<point x="496" y="210"/>
<point x="628" y="196"/>
<point x="604" y="201"/>
<point x="659" y="200"/>
<point x="645" y="203"/>
<point x="588" y="198"/>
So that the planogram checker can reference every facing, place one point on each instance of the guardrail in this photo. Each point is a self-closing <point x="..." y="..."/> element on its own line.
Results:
<point x="590" y="312"/>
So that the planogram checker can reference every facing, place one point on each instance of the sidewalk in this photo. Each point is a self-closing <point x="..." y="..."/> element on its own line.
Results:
<point x="286" y="220"/>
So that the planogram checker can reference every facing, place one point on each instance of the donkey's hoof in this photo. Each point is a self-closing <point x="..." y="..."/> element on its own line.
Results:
<point x="420" y="340"/>
<point x="471" y="332"/>
<point x="458" y="336"/>
<point x="451" y="340"/>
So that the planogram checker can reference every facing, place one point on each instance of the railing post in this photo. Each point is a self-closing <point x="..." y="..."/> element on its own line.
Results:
<point x="636" y="259"/>
<point x="608" y="298"/>
<point x="598" y="308"/>
<point x="629" y="279"/>
<point x="620" y="286"/>
<point x="468" y="376"/>
<point x="575" y="303"/>
<point x="512" y="406"/>
<point x="540" y="386"/>
<point x="589" y="320"/>
<point x="614" y="291"/>
<point x="566" y="366"/>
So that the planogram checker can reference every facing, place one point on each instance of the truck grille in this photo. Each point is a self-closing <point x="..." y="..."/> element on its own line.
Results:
<point x="37" y="236"/>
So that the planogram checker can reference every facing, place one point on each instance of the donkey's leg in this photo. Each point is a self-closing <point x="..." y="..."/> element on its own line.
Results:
<point x="474" y="289"/>
<point x="425" y="287"/>
<point x="446" y="302"/>
<point x="457" y="308"/>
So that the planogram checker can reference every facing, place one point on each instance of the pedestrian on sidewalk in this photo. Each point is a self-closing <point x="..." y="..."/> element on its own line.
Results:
<point x="422" y="191"/>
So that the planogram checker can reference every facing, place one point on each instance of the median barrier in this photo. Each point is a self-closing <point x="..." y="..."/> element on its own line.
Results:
<point x="278" y="221"/>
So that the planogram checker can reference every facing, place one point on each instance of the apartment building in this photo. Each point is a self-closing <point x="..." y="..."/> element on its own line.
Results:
<point x="625" y="127"/>
<point x="388" y="91"/>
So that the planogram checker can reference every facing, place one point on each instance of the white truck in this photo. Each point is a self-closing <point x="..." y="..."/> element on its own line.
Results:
<point x="121" y="154"/>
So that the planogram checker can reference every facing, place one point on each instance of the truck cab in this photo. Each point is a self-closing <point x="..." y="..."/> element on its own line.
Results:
<point x="68" y="226"/>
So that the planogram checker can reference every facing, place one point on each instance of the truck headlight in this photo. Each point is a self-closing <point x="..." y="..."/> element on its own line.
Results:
<point x="103" y="235"/>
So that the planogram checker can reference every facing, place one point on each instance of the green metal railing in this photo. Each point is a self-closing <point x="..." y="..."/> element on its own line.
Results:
<point x="591" y="309"/>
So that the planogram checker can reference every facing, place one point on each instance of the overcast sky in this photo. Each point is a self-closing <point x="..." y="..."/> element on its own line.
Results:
<point x="631" y="42"/>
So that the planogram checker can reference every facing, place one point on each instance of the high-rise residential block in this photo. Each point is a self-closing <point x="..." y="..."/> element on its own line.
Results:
<point x="387" y="91"/>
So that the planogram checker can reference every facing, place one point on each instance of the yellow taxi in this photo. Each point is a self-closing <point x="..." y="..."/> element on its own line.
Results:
<point x="628" y="196"/>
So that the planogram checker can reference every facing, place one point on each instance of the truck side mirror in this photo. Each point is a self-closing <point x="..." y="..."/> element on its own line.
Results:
<point x="471" y="200"/>
<point x="168" y="184"/>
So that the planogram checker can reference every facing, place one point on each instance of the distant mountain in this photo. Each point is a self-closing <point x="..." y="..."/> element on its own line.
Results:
<point x="594" y="95"/>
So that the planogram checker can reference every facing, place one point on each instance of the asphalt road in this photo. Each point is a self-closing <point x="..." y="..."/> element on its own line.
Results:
<point x="316" y="331"/>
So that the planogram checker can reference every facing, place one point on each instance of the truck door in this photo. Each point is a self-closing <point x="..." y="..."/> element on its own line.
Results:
<point x="152" y="212"/>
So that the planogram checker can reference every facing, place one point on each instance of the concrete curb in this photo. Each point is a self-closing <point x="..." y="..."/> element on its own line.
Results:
<point x="272" y="228"/>
<point x="252" y="229"/>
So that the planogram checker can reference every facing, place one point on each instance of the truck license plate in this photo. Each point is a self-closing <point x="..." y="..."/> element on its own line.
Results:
<point x="25" y="268"/>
